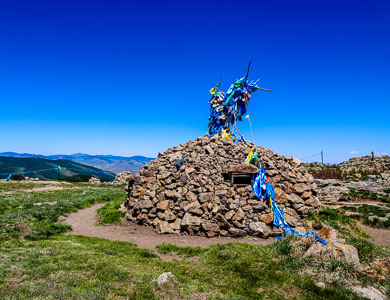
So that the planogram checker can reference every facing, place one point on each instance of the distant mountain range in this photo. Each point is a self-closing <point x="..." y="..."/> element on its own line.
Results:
<point x="68" y="168"/>
<point x="111" y="163"/>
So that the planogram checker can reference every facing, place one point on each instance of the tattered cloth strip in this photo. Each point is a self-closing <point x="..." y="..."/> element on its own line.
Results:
<point x="263" y="188"/>
<point x="251" y="156"/>
<point x="225" y="110"/>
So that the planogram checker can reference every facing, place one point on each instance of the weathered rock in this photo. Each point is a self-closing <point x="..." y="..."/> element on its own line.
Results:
<point x="222" y="222"/>
<point x="239" y="215"/>
<point x="146" y="204"/>
<point x="369" y="293"/>
<point x="334" y="249"/>
<point x="175" y="158"/>
<point x="190" y="220"/>
<point x="189" y="170"/>
<point x="295" y="200"/>
<point x="385" y="176"/>
<point x="205" y="197"/>
<point x="192" y="205"/>
<point x="292" y="221"/>
<point x="237" y="232"/>
<point x="300" y="188"/>
<point x="176" y="225"/>
<point x="190" y="196"/>
<point x="166" y="278"/>
<point x="123" y="177"/>
<point x="260" y="229"/>
<point x="163" y="205"/>
<point x="244" y="168"/>
<point x="94" y="180"/>
<point x="312" y="201"/>
<point x="267" y="218"/>
<point x="208" y="225"/>
<point x="331" y="191"/>
<point x="163" y="227"/>
<point x="280" y="196"/>
<point x="209" y="150"/>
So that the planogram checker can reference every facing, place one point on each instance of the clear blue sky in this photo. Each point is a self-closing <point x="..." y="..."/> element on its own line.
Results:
<point x="132" y="77"/>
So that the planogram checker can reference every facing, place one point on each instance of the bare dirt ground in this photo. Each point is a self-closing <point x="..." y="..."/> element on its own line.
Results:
<point x="83" y="223"/>
<point x="378" y="236"/>
<point x="41" y="189"/>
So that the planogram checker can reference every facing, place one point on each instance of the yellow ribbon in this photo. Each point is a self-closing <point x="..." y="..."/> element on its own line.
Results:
<point x="225" y="134"/>
<point x="248" y="159"/>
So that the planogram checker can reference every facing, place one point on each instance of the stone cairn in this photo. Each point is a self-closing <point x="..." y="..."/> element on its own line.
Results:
<point x="123" y="177"/>
<point x="94" y="180"/>
<point x="380" y="165"/>
<point x="199" y="198"/>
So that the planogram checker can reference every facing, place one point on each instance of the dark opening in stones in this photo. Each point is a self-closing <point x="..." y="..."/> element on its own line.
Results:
<point x="226" y="176"/>
<point x="241" y="179"/>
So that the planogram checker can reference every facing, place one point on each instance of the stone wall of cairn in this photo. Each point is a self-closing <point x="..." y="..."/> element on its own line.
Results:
<point x="197" y="199"/>
<point x="380" y="164"/>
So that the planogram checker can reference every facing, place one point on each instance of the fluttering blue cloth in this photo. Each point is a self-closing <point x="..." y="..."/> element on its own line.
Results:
<point x="225" y="110"/>
<point x="263" y="188"/>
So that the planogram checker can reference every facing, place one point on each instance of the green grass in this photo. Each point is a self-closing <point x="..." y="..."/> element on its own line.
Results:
<point x="38" y="262"/>
<point x="66" y="266"/>
<point x="186" y="251"/>
<point x="12" y="186"/>
<point x="109" y="213"/>
<point x="375" y="222"/>
<point x="336" y="219"/>
<point x="35" y="214"/>
<point x="356" y="195"/>
<point x="367" y="251"/>
<point x="368" y="210"/>
<point x="365" y="211"/>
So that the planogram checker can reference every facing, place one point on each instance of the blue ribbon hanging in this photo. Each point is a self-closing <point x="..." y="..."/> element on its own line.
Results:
<point x="263" y="188"/>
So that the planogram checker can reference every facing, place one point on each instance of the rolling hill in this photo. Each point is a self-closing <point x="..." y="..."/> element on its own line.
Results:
<point x="110" y="163"/>
<point x="69" y="168"/>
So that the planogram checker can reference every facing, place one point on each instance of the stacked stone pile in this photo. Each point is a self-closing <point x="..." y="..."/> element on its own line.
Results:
<point x="94" y="180"/>
<point x="380" y="165"/>
<point x="123" y="177"/>
<point x="197" y="198"/>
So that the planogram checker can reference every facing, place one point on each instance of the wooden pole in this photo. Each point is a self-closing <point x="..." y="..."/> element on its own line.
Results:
<point x="247" y="72"/>
<point x="264" y="89"/>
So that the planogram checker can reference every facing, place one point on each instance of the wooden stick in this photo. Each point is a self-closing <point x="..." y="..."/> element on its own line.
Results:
<point x="264" y="89"/>
<point x="247" y="72"/>
<point x="235" y="127"/>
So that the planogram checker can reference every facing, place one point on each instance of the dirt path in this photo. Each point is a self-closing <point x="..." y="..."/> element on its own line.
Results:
<point x="41" y="189"/>
<point x="379" y="236"/>
<point x="83" y="223"/>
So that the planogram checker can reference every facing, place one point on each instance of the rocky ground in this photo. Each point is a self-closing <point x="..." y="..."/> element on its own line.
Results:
<point x="364" y="167"/>
<point x="333" y="191"/>
<point x="377" y="166"/>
